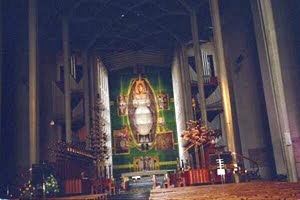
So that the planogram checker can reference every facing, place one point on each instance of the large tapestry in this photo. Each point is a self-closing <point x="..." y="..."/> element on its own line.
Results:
<point x="143" y="118"/>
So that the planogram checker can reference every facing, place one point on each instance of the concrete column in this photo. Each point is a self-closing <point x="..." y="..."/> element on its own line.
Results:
<point x="178" y="104"/>
<point x="32" y="26"/>
<point x="273" y="87"/>
<point x="86" y="100"/>
<point x="66" y="52"/>
<point x="186" y="83"/>
<point x="199" y="66"/>
<point x="222" y="74"/>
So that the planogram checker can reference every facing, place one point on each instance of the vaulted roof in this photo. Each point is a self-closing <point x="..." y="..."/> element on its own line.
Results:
<point x="121" y="25"/>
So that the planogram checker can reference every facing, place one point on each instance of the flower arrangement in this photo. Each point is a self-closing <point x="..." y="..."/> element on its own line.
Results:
<point x="197" y="134"/>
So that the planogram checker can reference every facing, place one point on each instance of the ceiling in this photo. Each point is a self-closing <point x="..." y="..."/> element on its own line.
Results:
<point x="120" y="25"/>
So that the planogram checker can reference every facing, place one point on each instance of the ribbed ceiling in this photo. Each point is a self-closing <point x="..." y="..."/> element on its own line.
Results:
<point x="123" y="25"/>
<point x="116" y="61"/>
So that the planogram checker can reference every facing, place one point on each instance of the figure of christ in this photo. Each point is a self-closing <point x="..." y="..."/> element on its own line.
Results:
<point x="142" y="115"/>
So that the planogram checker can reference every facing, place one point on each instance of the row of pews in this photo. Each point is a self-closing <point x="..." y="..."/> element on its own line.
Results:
<point x="256" y="190"/>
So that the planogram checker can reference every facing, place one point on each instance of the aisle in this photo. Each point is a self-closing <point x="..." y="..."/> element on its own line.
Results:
<point x="131" y="196"/>
<point x="138" y="190"/>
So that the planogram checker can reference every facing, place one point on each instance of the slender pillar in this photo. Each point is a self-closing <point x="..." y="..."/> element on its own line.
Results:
<point x="273" y="80"/>
<point x="92" y="89"/>
<point x="86" y="100"/>
<point x="32" y="26"/>
<point x="66" y="52"/>
<point x="197" y="159"/>
<point x="1" y="54"/>
<point x="200" y="73"/>
<point x="199" y="66"/>
<point x="218" y="42"/>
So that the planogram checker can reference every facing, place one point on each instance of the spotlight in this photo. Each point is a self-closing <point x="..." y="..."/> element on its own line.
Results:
<point x="52" y="123"/>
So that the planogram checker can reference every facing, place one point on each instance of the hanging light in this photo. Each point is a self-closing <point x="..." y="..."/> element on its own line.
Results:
<point x="52" y="123"/>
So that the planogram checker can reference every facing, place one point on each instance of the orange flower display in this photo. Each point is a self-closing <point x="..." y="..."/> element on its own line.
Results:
<point x="196" y="134"/>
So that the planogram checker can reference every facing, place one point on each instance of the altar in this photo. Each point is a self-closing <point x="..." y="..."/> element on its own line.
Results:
<point x="145" y="173"/>
<point x="143" y="179"/>
<point x="145" y="163"/>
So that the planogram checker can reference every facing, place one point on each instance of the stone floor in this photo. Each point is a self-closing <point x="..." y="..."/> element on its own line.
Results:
<point x="131" y="196"/>
<point x="256" y="190"/>
<point x="137" y="190"/>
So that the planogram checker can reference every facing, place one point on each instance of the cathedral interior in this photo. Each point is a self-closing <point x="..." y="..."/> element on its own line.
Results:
<point x="136" y="99"/>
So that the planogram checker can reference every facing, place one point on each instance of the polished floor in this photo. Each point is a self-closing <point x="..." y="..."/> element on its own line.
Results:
<point x="256" y="190"/>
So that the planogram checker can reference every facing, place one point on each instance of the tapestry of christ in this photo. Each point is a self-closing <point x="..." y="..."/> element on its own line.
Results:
<point x="142" y="113"/>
